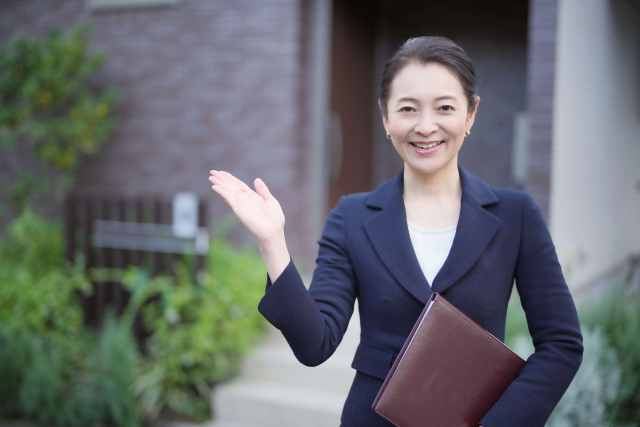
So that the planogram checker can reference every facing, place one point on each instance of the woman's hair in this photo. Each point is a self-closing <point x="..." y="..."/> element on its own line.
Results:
<point x="425" y="50"/>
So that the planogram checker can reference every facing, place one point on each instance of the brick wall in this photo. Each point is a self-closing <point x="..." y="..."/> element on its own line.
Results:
<point x="205" y="85"/>
<point x="595" y="185"/>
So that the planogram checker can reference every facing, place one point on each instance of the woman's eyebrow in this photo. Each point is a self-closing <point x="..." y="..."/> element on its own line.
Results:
<point x="407" y="99"/>
<point x="451" y="97"/>
<point x="440" y="98"/>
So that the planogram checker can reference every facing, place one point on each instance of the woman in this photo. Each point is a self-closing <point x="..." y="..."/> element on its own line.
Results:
<point x="433" y="227"/>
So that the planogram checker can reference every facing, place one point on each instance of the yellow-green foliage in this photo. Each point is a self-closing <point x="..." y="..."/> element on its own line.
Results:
<point x="47" y="107"/>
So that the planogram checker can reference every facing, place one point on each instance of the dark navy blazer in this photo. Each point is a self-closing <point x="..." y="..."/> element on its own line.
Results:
<point x="366" y="253"/>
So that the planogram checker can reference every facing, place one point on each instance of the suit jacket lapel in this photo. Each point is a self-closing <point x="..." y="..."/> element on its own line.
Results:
<point x="389" y="234"/>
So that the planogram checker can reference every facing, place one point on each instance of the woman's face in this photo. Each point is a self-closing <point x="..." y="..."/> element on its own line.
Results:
<point x="427" y="106"/>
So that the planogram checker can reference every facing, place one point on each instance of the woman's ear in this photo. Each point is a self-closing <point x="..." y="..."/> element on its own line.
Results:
<point x="384" y="116"/>
<point x="471" y="117"/>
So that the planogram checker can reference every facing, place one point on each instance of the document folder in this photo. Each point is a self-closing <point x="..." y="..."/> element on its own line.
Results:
<point x="449" y="373"/>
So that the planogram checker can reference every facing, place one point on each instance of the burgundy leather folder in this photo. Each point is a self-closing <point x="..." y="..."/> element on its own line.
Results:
<point x="449" y="373"/>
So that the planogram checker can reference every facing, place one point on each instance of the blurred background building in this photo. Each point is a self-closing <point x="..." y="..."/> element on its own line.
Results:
<point x="286" y="90"/>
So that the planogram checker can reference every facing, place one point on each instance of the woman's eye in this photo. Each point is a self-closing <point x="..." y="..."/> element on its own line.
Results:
<point x="446" y="108"/>
<point x="406" y="109"/>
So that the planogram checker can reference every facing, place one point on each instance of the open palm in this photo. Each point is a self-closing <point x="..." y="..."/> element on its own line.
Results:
<point x="258" y="210"/>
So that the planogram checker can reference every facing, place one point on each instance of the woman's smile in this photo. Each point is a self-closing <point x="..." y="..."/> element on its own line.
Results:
<point x="425" y="148"/>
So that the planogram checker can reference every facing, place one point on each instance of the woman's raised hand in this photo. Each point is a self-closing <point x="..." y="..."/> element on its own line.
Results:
<point x="258" y="210"/>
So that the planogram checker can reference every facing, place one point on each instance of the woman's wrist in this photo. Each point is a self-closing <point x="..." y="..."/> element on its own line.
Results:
<point x="275" y="254"/>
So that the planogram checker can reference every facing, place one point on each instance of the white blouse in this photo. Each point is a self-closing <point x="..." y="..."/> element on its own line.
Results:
<point x="431" y="247"/>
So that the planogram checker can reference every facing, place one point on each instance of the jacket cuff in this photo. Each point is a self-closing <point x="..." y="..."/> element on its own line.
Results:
<point x="285" y="300"/>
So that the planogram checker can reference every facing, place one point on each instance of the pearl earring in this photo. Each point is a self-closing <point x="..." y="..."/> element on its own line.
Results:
<point x="388" y="135"/>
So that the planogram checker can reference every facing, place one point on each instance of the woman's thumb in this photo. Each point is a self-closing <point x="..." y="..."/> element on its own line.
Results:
<point x="261" y="189"/>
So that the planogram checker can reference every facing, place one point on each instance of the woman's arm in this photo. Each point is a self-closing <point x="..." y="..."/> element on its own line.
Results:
<point x="553" y="324"/>
<point x="313" y="321"/>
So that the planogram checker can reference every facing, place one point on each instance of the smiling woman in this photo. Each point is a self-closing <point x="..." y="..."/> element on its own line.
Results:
<point x="428" y="102"/>
<point x="427" y="116"/>
<point x="434" y="227"/>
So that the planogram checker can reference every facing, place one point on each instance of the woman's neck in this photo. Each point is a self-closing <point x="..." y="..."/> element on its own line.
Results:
<point x="443" y="184"/>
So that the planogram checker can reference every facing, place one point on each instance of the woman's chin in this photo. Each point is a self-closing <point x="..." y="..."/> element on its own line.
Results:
<point x="429" y="166"/>
<point x="425" y="166"/>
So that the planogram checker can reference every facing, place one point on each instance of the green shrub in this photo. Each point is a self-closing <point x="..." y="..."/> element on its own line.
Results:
<point x="87" y="386"/>
<point x="594" y="388"/>
<point x="611" y="324"/>
<point x="200" y="328"/>
<point x="617" y="313"/>
<point x="38" y="288"/>
<point x="57" y="372"/>
<point x="52" y="369"/>
<point x="15" y="354"/>
<point x="37" y="299"/>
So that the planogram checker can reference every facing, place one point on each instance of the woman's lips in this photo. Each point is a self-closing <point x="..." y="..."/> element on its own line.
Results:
<point x="424" y="152"/>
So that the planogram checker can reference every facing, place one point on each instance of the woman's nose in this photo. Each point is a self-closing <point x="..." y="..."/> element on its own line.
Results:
<point x="426" y="125"/>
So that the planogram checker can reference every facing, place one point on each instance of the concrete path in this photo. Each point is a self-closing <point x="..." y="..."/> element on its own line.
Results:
<point x="275" y="390"/>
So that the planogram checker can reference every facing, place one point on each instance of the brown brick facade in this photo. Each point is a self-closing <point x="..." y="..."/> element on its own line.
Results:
<point x="205" y="85"/>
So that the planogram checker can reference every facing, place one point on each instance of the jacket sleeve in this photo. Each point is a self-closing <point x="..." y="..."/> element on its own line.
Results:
<point x="553" y="323"/>
<point x="314" y="321"/>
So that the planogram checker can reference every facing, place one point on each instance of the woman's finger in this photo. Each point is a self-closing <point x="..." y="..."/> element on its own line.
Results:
<point x="244" y="187"/>
<point x="241" y="186"/>
<point x="217" y="180"/>
<point x="226" y="194"/>
<point x="222" y="177"/>
<point x="223" y="184"/>
<point x="261" y="189"/>
<point x="231" y="182"/>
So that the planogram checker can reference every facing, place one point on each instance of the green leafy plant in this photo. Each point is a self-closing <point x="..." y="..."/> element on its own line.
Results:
<point x="200" y="327"/>
<point x="617" y="313"/>
<point x="52" y="369"/>
<point x="49" y="114"/>
<point x="15" y="353"/>
<point x="86" y="383"/>
<point x="56" y="371"/>
<point x="605" y="389"/>
<point x="38" y="288"/>
<point x="594" y="388"/>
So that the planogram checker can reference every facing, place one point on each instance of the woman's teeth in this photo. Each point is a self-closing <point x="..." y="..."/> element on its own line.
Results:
<point x="424" y="147"/>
